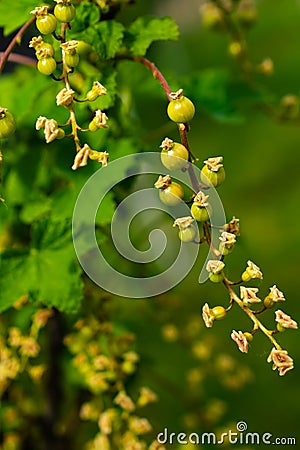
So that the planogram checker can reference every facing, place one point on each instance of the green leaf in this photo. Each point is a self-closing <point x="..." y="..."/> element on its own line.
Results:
<point x="48" y="271"/>
<point x="14" y="13"/>
<point x="209" y="90"/>
<point x="146" y="30"/>
<point x="106" y="37"/>
<point x="87" y="14"/>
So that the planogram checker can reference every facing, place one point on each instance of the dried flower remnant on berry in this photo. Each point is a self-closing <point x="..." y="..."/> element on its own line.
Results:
<point x="124" y="401"/>
<point x="207" y="316"/>
<point x="251" y="272"/>
<point x="176" y="95"/>
<point x="146" y="397"/>
<point x="81" y="157"/>
<point x="248" y="295"/>
<point x="97" y="90"/>
<point x="276" y="295"/>
<point x="281" y="361"/>
<point x="36" y="42"/>
<point x="40" y="11"/>
<point x="163" y="182"/>
<point x="183" y="222"/>
<point x="100" y="157"/>
<point x="233" y="226"/>
<point x="201" y="199"/>
<point x="139" y="425"/>
<point x="69" y="47"/>
<point x="51" y="130"/>
<point x="241" y="340"/>
<point x="215" y="266"/>
<point x="214" y="164"/>
<point x="106" y="420"/>
<point x="167" y="144"/>
<point x="227" y="239"/>
<point x="284" y="320"/>
<point x="65" y="97"/>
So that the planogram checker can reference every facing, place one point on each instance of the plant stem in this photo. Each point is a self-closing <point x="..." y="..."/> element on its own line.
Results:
<point x="20" y="59"/>
<point x="16" y="40"/>
<point x="251" y="315"/>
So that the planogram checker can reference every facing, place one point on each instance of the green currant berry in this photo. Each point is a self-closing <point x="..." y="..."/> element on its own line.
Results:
<point x="248" y="336"/>
<point x="46" y="24"/>
<point x="187" y="234"/>
<point x="199" y="213"/>
<point x="181" y="110"/>
<point x="268" y="302"/>
<point x="211" y="177"/>
<point x="218" y="312"/>
<point x="46" y="65"/>
<point x="280" y="328"/>
<point x="7" y="123"/>
<point x="64" y="13"/>
<point x="72" y="59"/>
<point x="216" y="277"/>
<point x="176" y="157"/>
<point x="172" y="195"/>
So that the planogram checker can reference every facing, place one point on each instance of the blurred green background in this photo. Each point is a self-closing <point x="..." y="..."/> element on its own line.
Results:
<point x="262" y="188"/>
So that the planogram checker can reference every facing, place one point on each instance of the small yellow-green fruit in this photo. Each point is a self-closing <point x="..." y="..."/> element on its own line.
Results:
<point x="216" y="277"/>
<point x="188" y="234"/>
<point x="219" y="312"/>
<point x="200" y="213"/>
<point x="172" y="195"/>
<point x="7" y="123"/>
<point x="248" y="336"/>
<point x="211" y="177"/>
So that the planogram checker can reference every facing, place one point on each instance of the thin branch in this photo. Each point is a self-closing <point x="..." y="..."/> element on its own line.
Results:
<point x="20" y="59"/>
<point x="16" y="40"/>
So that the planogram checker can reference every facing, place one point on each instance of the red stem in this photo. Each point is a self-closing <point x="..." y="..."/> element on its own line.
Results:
<point x="20" y="59"/>
<point x="156" y="73"/>
<point x="16" y="39"/>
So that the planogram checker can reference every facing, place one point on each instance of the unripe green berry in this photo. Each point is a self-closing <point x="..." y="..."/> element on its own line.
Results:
<point x="180" y="109"/>
<point x="280" y="328"/>
<point x="7" y="123"/>
<point x="174" y="156"/>
<point x="199" y="213"/>
<point x="248" y="336"/>
<point x="246" y="277"/>
<point x="72" y="59"/>
<point x="219" y="312"/>
<point x="64" y="13"/>
<point x="187" y="234"/>
<point x="46" y="65"/>
<point x="216" y="277"/>
<point x="268" y="302"/>
<point x="211" y="177"/>
<point x="172" y="195"/>
<point x="46" y="24"/>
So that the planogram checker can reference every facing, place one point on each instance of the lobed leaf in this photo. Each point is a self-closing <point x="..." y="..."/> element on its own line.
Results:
<point x="145" y="30"/>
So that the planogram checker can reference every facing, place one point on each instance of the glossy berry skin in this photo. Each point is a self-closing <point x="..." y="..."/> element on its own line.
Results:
<point x="46" y="24"/>
<point x="216" y="277"/>
<point x="65" y="13"/>
<point x="72" y="60"/>
<point x="181" y="110"/>
<point x="172" y="195"/>
<point x="175" y="158"/>
<point x="199" y="213"/>
<point x="210" y="177"/>
<point x="46" y="66"/>
<point x="188" y="234"/>
<point x="7" y="125"/>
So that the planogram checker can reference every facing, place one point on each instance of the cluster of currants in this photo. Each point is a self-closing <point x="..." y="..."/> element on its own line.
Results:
<point x="46" y="23"/>
<point x="176" y="156"/>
